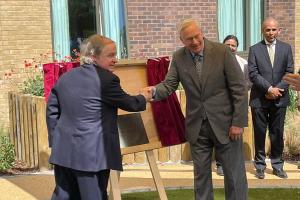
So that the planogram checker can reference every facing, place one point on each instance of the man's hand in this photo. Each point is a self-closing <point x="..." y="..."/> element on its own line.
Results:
<point x="293" y="80"/>
<point x="274" y="93"/>
<point x="235" y="132"/>
<point x="147" y="92"/>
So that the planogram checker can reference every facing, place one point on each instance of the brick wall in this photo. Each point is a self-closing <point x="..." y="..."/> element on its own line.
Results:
<point x="152" y="25"/>
<point x="284" y="12"/>
<point x="25" y="31"/>
<point x="297" y="35"/>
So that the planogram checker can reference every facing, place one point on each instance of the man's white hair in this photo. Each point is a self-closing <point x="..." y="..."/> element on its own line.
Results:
<point x="186" y="23"/>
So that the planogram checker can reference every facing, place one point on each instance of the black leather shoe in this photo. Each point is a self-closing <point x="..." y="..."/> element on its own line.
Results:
<point x="220" y="171"/>
<point x="260" y="173"/>
<point x="280" y="173"/>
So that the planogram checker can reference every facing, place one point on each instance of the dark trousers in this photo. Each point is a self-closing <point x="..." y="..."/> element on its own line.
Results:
<point x="232" y="158"/>
<point x="273" y="118"/>
<point x="218" y="163"/>
<point x="79" y="185"/>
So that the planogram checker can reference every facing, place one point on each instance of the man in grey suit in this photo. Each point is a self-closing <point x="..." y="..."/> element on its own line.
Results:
<point x="216" y="108"/>
<point x="82" y="123"/>
<point x="268" y="61"/>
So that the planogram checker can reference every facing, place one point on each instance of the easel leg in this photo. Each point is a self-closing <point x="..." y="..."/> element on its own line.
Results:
<point x="114" y="192"/>
<point x="156" y="176"/>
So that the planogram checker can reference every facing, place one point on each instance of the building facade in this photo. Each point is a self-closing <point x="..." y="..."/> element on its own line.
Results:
<point x="26" y="31"/>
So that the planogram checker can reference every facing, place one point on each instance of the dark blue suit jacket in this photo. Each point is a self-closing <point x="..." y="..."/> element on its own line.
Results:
<point x="82" y="119"/>
<point x="263" y="75"/>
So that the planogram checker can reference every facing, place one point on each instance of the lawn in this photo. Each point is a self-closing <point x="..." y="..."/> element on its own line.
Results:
<point x="254" y="194"/>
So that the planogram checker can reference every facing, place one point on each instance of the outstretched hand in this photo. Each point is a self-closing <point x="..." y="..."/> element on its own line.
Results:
<point x="147" y="92"/>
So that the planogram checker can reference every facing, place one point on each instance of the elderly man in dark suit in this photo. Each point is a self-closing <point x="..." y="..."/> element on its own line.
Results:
<point x="268" y="61"/>
<point x="216" y="108"/>
<point x="82" y="123"/>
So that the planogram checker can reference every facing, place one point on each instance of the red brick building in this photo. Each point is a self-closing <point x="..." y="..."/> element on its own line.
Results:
<point x="26" y="30"/>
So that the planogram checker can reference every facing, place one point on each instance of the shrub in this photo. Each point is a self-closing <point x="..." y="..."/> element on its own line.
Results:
<point x="293" y="101"/>
<point x="34" y="86"/>
<point x="292" y="134"/>
<point x="7" y="155"/>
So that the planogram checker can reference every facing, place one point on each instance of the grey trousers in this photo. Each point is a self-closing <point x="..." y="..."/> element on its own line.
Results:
<point x="232" y="160"/>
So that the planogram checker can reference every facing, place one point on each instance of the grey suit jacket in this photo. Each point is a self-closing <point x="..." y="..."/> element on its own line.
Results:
<point x="221" y="93"/>
<point x="82" y="119"/>
<point x="263" y="75"/>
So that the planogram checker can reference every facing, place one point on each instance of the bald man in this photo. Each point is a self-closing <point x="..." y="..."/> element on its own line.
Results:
<point x="268" y="61"/>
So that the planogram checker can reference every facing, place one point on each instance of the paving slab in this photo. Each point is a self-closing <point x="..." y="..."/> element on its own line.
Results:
<point x="39" y="186"/>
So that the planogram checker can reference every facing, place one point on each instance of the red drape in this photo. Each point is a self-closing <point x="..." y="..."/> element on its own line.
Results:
<point x="52" y="72"/>
<point x="167" y="113"/>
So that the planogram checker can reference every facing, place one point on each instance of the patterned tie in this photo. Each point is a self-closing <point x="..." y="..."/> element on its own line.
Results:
<point x="198" y="64"/>
<point x="271" y="53"/>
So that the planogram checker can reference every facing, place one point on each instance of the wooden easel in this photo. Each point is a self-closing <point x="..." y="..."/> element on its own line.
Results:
<point x="115" y="192"/>
<point x="133" y="77"/>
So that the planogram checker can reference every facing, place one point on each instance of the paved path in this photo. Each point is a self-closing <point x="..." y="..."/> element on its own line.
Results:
<point x="138" y="177"/>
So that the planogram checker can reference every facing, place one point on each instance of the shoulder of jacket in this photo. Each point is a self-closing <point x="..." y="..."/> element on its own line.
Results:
<point x="283" y="43"/>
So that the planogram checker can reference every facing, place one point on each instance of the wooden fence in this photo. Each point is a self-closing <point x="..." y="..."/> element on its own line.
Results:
<point x="28" y="132"/>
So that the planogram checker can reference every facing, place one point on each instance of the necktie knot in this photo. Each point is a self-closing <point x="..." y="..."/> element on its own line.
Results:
<point x="198" y="58"/>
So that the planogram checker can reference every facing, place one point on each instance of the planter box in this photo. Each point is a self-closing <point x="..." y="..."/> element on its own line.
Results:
<point x="28" y="130"/>
<point x="28" y="133"/>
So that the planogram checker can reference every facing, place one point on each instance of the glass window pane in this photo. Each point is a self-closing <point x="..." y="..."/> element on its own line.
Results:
<point x="82" y="22"/>
<point x="60" y="27"/>
<point x="231" y="20"/>
<point x="241" y="18"/>
<point x="256" y="15"/>
<point x="114" y="24"/>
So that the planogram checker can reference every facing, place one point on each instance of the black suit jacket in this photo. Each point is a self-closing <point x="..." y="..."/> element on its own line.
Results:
<point x="82" y="119"/>
<point x="263" y="75"/>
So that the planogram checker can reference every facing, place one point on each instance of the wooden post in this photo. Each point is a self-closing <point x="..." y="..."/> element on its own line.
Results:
<point x="248" y="139"/>
<point x="156" y="176"/>
<point x="35" y="132"/>
<point x="44" y="150"/>
<point x="114" y="192"/>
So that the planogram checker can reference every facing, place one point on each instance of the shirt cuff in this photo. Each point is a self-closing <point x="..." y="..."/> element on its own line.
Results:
<point x="270" y="88"/>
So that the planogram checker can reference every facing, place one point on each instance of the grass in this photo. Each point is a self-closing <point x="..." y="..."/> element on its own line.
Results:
<point x="254" y="194"/>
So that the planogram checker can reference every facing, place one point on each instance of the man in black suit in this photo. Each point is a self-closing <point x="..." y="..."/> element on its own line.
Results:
<point x="268" y="61"/>
<point x="82" y="123"/>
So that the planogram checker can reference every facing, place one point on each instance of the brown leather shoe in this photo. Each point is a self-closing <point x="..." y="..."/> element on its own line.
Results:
<point x="280" y="173"/>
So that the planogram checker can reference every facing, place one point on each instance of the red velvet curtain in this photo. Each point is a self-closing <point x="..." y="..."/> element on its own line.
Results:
<point x="167" y="113"/>
<point x="52" y="72"/>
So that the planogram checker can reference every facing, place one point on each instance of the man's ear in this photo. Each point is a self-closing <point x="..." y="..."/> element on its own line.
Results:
<point x="180" y="39"/>
<point x="279" y="30"/>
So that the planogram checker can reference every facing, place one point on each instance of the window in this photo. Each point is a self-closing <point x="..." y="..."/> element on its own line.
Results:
<point x="242" y="18"/>
<point x="75" y="20"/>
